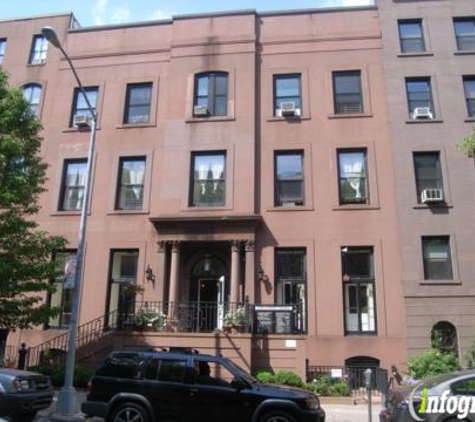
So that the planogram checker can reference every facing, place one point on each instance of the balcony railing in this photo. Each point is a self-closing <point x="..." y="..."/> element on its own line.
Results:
<point x="206" y="317"/>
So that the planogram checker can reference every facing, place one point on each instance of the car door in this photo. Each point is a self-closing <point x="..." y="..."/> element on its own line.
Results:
<point x="165" y="389"/>
<point x="213" y="396"/>
<point x="465" y="388"/>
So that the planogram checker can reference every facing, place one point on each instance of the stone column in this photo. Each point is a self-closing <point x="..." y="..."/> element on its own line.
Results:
<point x="250" y="282"/>
<point x="160" y="276"/>
<point x="234" y="296"/>
<point x="174" y="277"/>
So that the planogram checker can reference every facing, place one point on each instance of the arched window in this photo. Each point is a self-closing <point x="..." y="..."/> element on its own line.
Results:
<point x="32" y="94"/>
<point x="211" y="94"/>
<point x="444" y="337"/>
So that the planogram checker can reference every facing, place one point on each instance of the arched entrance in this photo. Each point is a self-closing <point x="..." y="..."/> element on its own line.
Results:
<point x="444" y="337"/>
<point x="208" y="289"/>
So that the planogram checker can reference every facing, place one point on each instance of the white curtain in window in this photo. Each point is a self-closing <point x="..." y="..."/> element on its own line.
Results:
<point x="76" y="180"/>
<point x="203" y="169"/>
<point x="136" y="175"/>
<point x="217" y="170"/>
<point x="352" y="166"/>
<point x="367" y="315"/>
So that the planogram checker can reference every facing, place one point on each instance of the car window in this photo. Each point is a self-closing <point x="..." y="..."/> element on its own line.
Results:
<point x="151" y="371"/>
<point x="123" y="365"/>
<point x="208" y="372"/>
<point x="464" y="388"/>
<point x="172" y="370"/>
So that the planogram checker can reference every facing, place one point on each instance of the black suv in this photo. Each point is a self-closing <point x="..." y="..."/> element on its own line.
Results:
<point x="181" y="387"/>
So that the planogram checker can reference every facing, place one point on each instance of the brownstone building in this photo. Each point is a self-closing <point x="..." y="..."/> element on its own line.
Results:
<point x="246" y="175"/>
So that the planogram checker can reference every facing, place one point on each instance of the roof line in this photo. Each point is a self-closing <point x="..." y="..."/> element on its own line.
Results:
<point x="27" y="18"/>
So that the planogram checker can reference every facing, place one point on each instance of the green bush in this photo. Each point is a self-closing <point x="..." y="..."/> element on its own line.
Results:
<point x="265" y="377"/>
<point x="432" y="362"/>
<point x="288" y="378"/>
<point x="325" y="385"/>
<point x="56" y="373"/>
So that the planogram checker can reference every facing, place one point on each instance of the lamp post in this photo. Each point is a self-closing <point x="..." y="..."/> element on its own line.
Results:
<point x="67" y="395"/>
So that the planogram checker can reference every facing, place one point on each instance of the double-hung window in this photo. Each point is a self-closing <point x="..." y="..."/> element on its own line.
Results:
<point x="353" y="176"/>
<point x="289" y="178"/>
<point x="287" y="95"/>
<point x="419" y="98"/>
<point x="73" y="185"/>
<point x="358" y="288"/>
<point x="211" y="94"/>
<point x="437" y="259"/>
<point x="39" y="48"/>
<point x="61" y="298"/>
<point x="32" y="94"/>
<point x="428" y="175"/>
<point x="469" y="88"/>
<point x="130" y="187"/>
<point x="465" y="33"/>
<point x="137" y="103"/>
<point x="347" y="93"/>
<point x="3" y="46"/>
<point x="80" y="107"/>
<point x="411" y="36"/>
<point x="208" y="184"/>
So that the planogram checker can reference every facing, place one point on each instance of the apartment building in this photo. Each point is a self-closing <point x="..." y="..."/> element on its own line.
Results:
<point x="429" y="49"/>
<point x="244" y="166"/>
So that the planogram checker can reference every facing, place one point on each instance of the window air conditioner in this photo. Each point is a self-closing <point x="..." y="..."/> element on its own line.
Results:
<point x="430" y="196"/>
<point x="422" y="113"/>
<point x="200" y="110"/>
<point x="287" y="109"/>
<point x="81" y="121"/>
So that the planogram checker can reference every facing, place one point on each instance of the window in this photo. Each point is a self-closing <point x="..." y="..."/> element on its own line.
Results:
<point x="419" y="95"/>
<point x="469" y="88"/>
<point x="3" y="46"/>
<point x="39" y="49"/>
<point x="208" y="180"/>
<point x="437" y="260"/>
<point x="137" y="103"/>
<point x="353" y="177"/>
<point x="428" y="172"/>
<point x="358" y="288"/>
<point x="208" y="372"/>
<point x="347" y="91"/>
<point x="289" y="187"/>
<point x="211" y="94"/>
<point x="444" y="338"/>
<point x="131" y="183"/>
<point x="465" y="33"/>
<point x="32" y="94"/>
<point x="80" y="107"/>
<point x="287" y="89"/>
<point x="122" y="286"/>
<point x="172" y="370"/>
<point x="127" y="365"/>
<point x="411" y="36"/>
<point x="464" y="388"/>
<point x="74" y="179"/>
<point x="61" y="298"/>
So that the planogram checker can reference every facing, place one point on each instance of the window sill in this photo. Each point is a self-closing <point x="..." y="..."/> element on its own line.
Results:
<point x="356" y="207"/>
<point x="77" y="130"/>
<point x="127" y="212"/>
<point x="470" y="119"/>
<point x="421" y="121"/>
<point x="369" y="334"/>
<point x="210" y="119"/>
<point x="440" y="283"/>
<point x="207" y="209"/>
<point x="464" y="53"/>
<point x="135" y="125"/>
<point x="349" y="116"/>
<point x="427" y="206"/>
<point x="65" y="213"/>
<point x="36" y="64"/>
<point x="418" y="54"/>
<point x="284" y="208"/>
<point x="288" y="118"/>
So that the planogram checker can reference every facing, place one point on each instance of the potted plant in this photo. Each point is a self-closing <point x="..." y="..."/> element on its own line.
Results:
<point x="235" y="321"/>
<point x="149" y="318"/>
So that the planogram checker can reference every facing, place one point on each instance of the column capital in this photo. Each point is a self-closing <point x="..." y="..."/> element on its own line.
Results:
<point x="176" y="245"/>
<point x="250" y="246"/>
<point x="161" y="246"/>
<point x="235" y="245"/>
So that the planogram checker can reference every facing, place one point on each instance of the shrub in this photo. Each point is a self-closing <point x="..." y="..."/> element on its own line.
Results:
<point x="328" y="386"/>
<point x="288" y="378"/>
<point x="56" y="373"/>
<point x="265" y="377"/>
<point x="432" y="362"/>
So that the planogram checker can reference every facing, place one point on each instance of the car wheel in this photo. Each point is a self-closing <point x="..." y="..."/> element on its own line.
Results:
<point x="277" y="416"/>
<point x="129" y="412"/>
<point x="24" y="417"/>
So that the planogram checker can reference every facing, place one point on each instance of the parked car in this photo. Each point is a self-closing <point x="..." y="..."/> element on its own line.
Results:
<point x="442" y="388"/>
<point x="183" y="386"/>
<point x="23" y="393"/>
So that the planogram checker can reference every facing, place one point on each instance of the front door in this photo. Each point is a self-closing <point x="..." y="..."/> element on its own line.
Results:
<point x="208" y="292"/>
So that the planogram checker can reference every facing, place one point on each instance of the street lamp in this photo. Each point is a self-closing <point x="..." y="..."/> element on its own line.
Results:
<point x="67" y="395"/>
